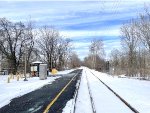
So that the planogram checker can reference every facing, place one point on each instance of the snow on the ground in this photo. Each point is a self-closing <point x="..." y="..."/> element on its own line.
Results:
<point x="65" y="72"/>
<point x="69" y="106"/>
<point x="62" y="72"/>
<point x="83" y="104"/>
<point x="16" y="88"/>
<point x="104" y="100"/>
<point x="135" y="92"/>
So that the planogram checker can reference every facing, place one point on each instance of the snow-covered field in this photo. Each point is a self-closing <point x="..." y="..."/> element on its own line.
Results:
<point x="16" y="88"/>
<point x="135" y="92"/>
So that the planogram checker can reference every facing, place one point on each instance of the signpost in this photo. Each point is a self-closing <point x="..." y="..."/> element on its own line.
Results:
<point x="25" y="64"/>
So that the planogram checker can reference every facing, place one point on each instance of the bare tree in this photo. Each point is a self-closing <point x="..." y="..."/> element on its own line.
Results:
<point x="87" y="61"/>
<point x="13" y="37"/>
<point x="100" y="64"/>
<point x="96" y="49"/>
<point x="74" y="60"/>
<point x="95" y="59"/>
<point x="115" y="60"/>
<point x="143" y="28"/>
<point x="47" y="43"/>
<point x="53" y="47"/>
<point x="129" y="42"/>
<point x="64" y="50"/>
<point x="134" y="57"/>
<point x="118" y="62"/>
<point x="143" y="33"/>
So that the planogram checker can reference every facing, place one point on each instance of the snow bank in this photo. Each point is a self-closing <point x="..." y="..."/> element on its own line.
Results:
<point x="135" y="92"/>
<point x="65" y="72"/>
<point x="16" y="88"/>
<point x="69" y="106"/>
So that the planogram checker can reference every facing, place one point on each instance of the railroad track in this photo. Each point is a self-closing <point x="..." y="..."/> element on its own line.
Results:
<point x="90" y="93"/>
<point x="76" y="93"/>
<point x="91" y="97"/>
<point x="111" y="90"/>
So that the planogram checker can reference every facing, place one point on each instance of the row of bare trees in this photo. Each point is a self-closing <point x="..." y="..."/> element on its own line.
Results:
<point x="55" y="49"/>
<point x="40" y="43"/>
<point x="13" y="38"/>
<point x="134" y="59"/>
<point x="95" y="59"/>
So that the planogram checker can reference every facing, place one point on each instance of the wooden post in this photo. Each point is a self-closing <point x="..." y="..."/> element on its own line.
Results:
<point x="8" y="80"/>
<point x="18" y="78"/>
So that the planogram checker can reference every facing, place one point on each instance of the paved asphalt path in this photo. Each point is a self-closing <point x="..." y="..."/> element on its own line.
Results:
<point x="37" y="101"/>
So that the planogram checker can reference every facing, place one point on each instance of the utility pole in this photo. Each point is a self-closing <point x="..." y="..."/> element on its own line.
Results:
<point x="51" y="63"/>
<point x="93" y="61"/>
<point x="25" y="63"/>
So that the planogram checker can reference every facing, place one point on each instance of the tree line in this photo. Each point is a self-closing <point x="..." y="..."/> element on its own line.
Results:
<point x="134" y="57"/>
<point x="22" y="39"/>
<point x="96" y="57"/>
<point x="44" y="43"/>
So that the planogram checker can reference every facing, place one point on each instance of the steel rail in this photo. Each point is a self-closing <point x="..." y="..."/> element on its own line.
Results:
<point x="76" y="93"/>
<point x="117" y="95"/>
<point x="91" y="97"/>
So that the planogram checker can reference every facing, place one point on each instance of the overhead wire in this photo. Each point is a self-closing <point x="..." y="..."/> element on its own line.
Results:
<point x="115" y="4"/>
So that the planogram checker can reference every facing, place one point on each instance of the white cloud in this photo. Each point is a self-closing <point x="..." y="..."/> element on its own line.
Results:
<point x="77" y="13"/>
<point x="82" y="48"/>
<point x="83" y="45"/>
<point x="82" y="53"/>
<point x="109" y="45"/>
<point x="80" y="0"/>
<point x="66" y="13"/>
<point x="74" y="34"/>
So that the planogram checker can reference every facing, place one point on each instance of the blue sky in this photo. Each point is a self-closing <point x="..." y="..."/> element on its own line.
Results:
<point x="80" y="20"/>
